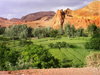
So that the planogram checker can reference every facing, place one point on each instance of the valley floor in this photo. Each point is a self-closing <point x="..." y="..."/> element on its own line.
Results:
<point x="58" y="71"/>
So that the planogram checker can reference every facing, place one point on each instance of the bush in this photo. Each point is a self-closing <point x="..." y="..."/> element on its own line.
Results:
<point x="2" y="30"/>
<point x="94" y="42"/>
<point x="4" y="39"/>
<point x="51" y="45"/>
<point x="7" y="55"/>
<point x="39" y="56"/>
<point x="93" y="59"/>
<point x="25" y="42"/>
<point x="61" y="45"/>
<point x="58" y="45"/>
<point x="66" y="63"/>
<point x="53" y="33"/>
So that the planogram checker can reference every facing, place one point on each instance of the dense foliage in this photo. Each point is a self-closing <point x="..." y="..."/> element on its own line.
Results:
<point x="25" y="42"/>
<point x="40" y="33"/>
<point x="20" y="31"/>
<point x="7" y="55"/>
<point x="39" y="56"/>
<point x="94" y="42"/>
<point x="71" y="32"/>
<point x="60" y="45"/>
<point x="2" y="30"/>
<point x="92" y="29"/>
<point x="53" y="33"/>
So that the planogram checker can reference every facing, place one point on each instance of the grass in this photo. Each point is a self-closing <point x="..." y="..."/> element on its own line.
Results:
<point x="57" y="53"/>
<point x="77" y="54"/>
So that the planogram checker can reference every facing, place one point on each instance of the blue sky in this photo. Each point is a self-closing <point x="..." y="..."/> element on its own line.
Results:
<point x="18" y="8"/>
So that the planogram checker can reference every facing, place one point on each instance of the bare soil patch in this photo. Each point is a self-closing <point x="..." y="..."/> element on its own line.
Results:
<point x="57" y="71"/>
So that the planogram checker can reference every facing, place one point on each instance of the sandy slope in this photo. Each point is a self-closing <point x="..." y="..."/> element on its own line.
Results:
<point x="58" y="71"/>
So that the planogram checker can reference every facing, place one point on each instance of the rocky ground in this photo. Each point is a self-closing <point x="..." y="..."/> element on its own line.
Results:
<point x="58" y="71"/>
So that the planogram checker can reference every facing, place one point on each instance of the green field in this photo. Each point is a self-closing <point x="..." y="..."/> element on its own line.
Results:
<point x="77" y="55"/>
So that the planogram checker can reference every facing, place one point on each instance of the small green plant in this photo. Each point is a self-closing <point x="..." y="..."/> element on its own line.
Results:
<point x="66" y="63"/>
<point x="25" y="42"/>
<point x="51" y="45"/>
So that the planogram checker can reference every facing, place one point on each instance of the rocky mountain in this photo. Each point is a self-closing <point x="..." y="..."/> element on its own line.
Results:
<point x="33" y="19"/>
<point x="80" y="17"/>
<point x="15" y="20"/>
<point x="37" y="16"/>
<point x="4" y="22"/>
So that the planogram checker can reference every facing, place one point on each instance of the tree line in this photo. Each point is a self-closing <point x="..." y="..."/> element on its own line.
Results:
<point x="22" y="31"/>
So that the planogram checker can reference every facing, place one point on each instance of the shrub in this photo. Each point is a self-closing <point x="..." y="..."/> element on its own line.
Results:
<point x="66" y="63"/>
<point x="51" y="45"/>
<point x="25" y="42"/>
<point x="94" y="42"/>
<point x="63" y="44"/>
<point x="53" y="33"/>
<point x="93" y="59"/>
<point x="7" y="55"/>
<point x="39" y="56"/>
<point x="58" y="45"/>
<point x="2" y="30"/>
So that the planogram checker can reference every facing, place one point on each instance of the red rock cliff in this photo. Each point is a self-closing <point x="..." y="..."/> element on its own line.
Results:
<point x="79" y="18"/>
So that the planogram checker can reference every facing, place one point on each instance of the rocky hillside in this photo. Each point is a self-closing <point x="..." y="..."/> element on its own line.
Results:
<point x="15" y="20"/>
<point x="37" y="16"/>
<point x="32" y="20"/>
<point x="79" y="18"/>
<point x="4" y="22"/>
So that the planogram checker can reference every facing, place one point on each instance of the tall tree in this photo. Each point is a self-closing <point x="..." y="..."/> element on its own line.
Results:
<point x="24" y="34"/>
<point x="49" y="29"/>
<point x="2" y="30"/>
<point x="72" y="30"/>
<point x="92" y="28"/>
<point x="37" y="32"/>
<point x="44" y="31"/>
<point x="30" y="29"/>
<point x="60" y="30"/>
<point x="67" y="30"/>
<point x="79" y="32"/>
<point x="17" y="31"/>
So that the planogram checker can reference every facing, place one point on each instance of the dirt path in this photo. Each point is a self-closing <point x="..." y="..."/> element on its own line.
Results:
<point x="58" y="71"/>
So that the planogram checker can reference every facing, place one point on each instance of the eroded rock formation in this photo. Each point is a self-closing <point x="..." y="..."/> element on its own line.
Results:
<point x="79" y="18"/>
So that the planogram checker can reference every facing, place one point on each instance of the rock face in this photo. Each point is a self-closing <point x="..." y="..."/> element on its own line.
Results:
<point x="79" y="18"/>
<point x="4" y="22"/>
<point x="97" y="21"/>
<point x="58" y="19"/>
<point x="15" y="20"/>
<point x="37" y="16"/>
<point x="33" y="20"/>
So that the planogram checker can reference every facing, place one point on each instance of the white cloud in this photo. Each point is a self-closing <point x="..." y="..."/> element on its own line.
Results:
<point x="65" y="7"/>
<point x="9" y="16"/>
